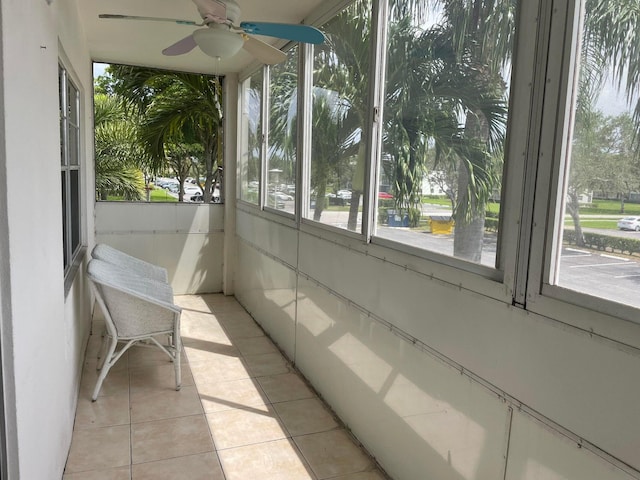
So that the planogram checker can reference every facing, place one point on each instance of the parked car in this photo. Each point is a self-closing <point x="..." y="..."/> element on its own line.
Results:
<point x="629" y="223"/>
<point x="384" y="195"/>
<point x="190" y="190"/>
<point x="199" y="198"/>
<point x="275" y="201"/>
<point x="344" y="194"/>
<point x="283" y="196"/>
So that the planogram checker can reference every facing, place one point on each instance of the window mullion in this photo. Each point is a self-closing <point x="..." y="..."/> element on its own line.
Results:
<point x="552" y="143"/>
<point x="379" y="24"/>
<point x="305" y="83"/>
<point x="264" y="137"/>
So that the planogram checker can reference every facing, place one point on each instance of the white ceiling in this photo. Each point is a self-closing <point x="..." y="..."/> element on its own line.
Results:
<point x="138" y="42"/>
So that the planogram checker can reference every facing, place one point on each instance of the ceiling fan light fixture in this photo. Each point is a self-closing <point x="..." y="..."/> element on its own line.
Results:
<point x="218" y="41"/>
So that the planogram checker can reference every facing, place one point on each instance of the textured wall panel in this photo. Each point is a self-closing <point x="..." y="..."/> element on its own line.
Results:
<point x="418" y="416"/>
<point x="267" y="290"/>
<point x="537" y="453"/>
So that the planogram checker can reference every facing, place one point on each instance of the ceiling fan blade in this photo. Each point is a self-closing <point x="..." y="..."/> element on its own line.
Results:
<point x="263" y="51"/>
<point x="212" y="9"/>
<point x="288" y="31"/>
<point x="153" y="19"/>
<point x="181" y="46"/>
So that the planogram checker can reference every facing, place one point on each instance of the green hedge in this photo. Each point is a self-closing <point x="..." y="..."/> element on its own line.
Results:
<point x="605" y="243"/>
<point x="491" y="224"/>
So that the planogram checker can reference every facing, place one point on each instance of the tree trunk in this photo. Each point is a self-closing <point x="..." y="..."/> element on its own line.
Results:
<point x="357" y="189"/>
<point x="468" y="238"/>
<point x="469" y="232"/>
<point x="207" y="191"/>
<point x="573" y="208"/>
<point x="320" y="199"/>
<point x="354" y="208"/>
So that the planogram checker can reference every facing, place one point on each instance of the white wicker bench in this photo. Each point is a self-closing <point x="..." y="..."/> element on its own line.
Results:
<point x="137" y="309"/>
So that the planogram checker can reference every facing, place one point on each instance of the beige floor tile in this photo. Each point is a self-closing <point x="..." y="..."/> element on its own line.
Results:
<point x="203" y="329"/>
<point x="253" y="397"/>
<point x="99" y="448"/>
<point x="285" y="387"/>
<point x="219" y="396"/>
<point x="221" y="370"/>
<point x="116" y="382"/>
<point x="121" y="473"/>
<point x="206" y="351"/>
<point x="278" y="460"/>
<point x="243" y="329"/>
<point x="234" y="317"/>
<point x="219" y="303"/>
<point x="204" y="466"/>
<point x="170" y="438"/>
<point x="267" y="364"/>
<point x="106" y="411"/>
<point x="140" y="355"/>
<point x="332" y="453"/>
<point x="196" y="302"/>
<point x="255" y="346"/>
<point x="148" y="405"/>
<point x="238" y="427"/>
<point x="91" y="362"/>
<point x="301" y="417"/>
<point x="159" y="377"/>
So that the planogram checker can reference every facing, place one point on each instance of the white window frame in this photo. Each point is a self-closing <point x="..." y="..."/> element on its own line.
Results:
<point x="600" y="318"/>
<point x="71" y="254"/>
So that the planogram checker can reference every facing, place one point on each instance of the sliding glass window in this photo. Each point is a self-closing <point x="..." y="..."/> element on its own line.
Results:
<point x="595" y="234"/>
<point x="339" y="105"/>
<point x="251" y="138"/>
<point x="444" y="125"/>
<point x="282" y="149"/>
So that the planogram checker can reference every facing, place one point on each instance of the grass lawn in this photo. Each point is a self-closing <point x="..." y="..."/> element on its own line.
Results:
<point x="585" y="222"/>
<point x="157" y="195"/>
<point x="610" y="207"/>
<point x="161" y="195"/>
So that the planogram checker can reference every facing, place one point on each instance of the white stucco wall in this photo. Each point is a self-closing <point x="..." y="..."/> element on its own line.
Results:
<point x="46" y="328"/>
<point x="185" y="238"/>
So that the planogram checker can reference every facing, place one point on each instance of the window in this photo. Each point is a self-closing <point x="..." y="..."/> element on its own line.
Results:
<point x="339" y="105"/>
<point x="596" y="232"/>
<point x="443" y="125"/>
<point x="282" y="139"/>
<point x="251" y="138"/>
<point x="158" y="135"/>
<point x="70" y="166"/>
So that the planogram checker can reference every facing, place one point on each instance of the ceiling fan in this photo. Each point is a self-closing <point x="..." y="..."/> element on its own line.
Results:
<point x="223" y="37"/>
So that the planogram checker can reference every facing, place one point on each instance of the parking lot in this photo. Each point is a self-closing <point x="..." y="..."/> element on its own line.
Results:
<point x="601" y="274"/>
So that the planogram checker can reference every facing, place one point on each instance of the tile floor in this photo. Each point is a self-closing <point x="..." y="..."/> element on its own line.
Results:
<point x="243" y="412"/>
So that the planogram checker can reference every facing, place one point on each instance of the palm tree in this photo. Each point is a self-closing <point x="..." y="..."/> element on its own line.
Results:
<point x="117" y="151"/>
<point x="430" y="86"/>
<point x="435" y="77"/>
<point x="177" y="107"/>
<point x="341" y="65"/>
<point x="481" y="36"/>
<point x="283" y="116"/>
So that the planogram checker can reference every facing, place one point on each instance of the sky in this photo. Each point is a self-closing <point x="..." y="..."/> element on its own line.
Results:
<point x="98" y="69"/>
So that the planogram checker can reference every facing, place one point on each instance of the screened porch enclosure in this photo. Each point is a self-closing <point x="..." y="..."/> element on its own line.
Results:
<point x="519" y="363"/>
